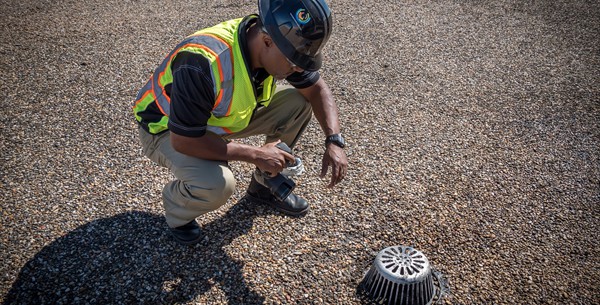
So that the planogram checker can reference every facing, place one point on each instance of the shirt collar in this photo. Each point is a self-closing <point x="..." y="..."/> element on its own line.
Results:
<point x="257" y="75"/>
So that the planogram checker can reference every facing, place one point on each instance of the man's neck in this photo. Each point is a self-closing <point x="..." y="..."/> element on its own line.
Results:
<point x="254" y="40"/>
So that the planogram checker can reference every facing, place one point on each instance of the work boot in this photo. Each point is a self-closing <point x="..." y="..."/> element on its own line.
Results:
<point x="188" y="234"/>
<point x="292" y="205"/>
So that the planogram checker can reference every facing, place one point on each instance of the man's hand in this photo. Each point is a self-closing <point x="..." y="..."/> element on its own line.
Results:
<point x="335" y="157"/>
<point x="270" y="159"/>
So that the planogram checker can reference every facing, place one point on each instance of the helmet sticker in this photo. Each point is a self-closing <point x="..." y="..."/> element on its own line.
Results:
<point x="302" y="16"/>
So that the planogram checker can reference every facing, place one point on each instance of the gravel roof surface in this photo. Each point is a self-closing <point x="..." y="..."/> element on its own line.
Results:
<point x="473" y="130"/>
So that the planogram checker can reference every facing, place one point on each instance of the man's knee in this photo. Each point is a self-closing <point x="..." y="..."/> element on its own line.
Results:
<point x="294" y="99"/>
<point x="294" y="108"/>
<point x="211" y="195"/>
<point x="185" y="200"/>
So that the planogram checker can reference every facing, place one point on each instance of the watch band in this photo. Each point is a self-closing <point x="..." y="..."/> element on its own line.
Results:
<point x="336" y="139"/>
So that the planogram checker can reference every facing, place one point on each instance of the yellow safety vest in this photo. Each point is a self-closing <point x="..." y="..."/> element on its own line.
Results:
<point x="235" y="98"/>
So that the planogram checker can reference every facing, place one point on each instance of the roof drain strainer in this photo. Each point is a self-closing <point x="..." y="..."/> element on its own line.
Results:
<point x="402" y="275"/>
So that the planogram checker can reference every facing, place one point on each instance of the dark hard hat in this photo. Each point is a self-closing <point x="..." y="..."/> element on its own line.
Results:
<point x="299" y="29"/>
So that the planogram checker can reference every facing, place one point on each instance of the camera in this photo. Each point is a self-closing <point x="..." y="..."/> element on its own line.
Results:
<point x="281" y="185"/>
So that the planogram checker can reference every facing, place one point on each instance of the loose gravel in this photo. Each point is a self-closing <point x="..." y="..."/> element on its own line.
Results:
<point x="473" y="130"/>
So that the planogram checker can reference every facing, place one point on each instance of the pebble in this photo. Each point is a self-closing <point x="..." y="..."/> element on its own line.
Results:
<point x="472" y="134"/>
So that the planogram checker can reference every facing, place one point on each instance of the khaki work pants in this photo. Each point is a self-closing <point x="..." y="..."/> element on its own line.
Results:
<point x="201" y="185"/>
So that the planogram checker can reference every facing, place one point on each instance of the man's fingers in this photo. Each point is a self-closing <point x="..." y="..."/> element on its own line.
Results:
<point x="324" y="167"/>
<point x="289" y="158"/>
<point x="335" y="172"/>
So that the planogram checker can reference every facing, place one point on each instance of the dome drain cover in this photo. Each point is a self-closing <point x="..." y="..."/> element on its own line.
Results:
<point x="401" y="275"/>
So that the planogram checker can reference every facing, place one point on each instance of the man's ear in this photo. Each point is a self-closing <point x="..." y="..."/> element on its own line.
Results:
<point x="267" y="40"/>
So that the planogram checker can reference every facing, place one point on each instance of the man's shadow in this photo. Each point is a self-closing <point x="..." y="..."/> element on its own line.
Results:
<point x="130" y="258"/>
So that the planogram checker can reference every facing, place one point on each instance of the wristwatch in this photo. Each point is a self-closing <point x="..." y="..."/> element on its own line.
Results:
<point x="336" y="139"/>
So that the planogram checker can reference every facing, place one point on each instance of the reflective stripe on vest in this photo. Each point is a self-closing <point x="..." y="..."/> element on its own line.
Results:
<point x="219" y="50"/>
<point x="232" y="109"/>
<point x="219" y="130"/>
